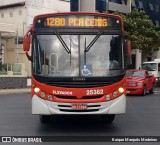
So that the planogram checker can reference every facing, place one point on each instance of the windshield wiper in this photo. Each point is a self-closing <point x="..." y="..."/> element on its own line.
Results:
<point x="93" y="41"/>
<point x="62" y="42"/>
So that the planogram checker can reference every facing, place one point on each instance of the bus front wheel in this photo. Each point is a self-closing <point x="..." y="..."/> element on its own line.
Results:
<point x="45" y="118"/>
<point x="108" y="118"/>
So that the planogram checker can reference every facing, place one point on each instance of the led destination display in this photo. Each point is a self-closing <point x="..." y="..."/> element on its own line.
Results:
<point x="77" y="21"/>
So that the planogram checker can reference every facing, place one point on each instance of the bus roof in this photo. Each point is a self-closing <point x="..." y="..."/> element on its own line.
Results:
<point x="80" y="13"/>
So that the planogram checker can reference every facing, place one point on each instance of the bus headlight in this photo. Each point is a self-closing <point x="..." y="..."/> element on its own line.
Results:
<point x="121" y="90"/>
<point x="36" y="90"/>
<point x="42" y="95"/>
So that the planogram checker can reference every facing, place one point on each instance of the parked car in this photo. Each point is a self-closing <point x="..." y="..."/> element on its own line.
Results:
<point x="140" y="82"/>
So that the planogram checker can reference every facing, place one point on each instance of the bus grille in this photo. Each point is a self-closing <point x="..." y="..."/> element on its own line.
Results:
<point x="68" y="108"/>
<point x="91" y="110"/>
<point x="74" y="97"/>
<point x="79" y="84"/>
<point x="65" y="97"/>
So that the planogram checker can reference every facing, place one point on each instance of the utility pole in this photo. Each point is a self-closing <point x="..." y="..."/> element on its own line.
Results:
<point x="87" y="6"/>
<point x="17" y="47"/>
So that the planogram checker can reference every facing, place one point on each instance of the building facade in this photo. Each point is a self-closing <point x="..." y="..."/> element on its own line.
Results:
<point x="21" y="13"/>
<point x="123" y="6"/>
<point x="152" y="9"/>
<point x="16" y="17"/>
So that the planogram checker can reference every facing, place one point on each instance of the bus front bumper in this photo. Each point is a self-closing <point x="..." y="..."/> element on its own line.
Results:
<point x="44" y="107"/>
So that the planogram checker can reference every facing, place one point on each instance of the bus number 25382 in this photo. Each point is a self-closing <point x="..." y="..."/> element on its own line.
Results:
<point x="94" y="92"/>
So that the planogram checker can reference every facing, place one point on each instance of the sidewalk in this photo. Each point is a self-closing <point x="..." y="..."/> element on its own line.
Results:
<point x="15" y="91"/>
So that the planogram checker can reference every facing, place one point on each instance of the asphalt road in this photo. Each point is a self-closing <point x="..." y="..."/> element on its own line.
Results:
<point x="142" y="119"/>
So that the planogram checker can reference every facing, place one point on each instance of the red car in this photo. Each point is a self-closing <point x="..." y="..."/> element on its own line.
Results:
<point x="140" y="82"/>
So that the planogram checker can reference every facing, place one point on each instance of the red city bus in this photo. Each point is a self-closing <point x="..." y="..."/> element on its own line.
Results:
<point x="78" y="64"/>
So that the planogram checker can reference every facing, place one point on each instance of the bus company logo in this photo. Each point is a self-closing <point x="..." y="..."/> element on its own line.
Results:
<point x="62" y="92"/>
<point x="79" y="79"/>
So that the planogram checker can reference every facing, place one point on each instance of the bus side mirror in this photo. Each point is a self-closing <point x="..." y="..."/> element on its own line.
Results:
<point x="26" y="44"/>
<point x="127" y="49"/>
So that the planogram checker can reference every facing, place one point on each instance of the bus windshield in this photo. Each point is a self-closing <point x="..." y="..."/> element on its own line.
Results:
<point x="77" y="55"/>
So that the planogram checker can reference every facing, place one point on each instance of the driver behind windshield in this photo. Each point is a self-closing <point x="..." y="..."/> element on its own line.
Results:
<point x="114" y="65"/>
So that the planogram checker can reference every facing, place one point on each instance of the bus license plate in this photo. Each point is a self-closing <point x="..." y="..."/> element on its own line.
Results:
<point x="79" y="106"/>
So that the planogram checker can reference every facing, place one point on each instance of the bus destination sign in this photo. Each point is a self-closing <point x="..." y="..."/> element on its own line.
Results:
<point x="77" y="21"/>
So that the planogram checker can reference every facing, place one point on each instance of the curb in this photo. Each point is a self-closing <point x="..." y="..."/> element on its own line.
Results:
<point x="15" y="91"/>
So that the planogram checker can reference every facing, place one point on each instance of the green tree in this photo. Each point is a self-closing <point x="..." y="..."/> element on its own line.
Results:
<point x="141" y="31"/>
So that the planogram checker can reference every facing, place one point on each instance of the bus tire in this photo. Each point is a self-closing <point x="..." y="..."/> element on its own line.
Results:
<point x="45" y="118"/>
<point x="151" y="91"/>
<point x="108" y="118"/>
